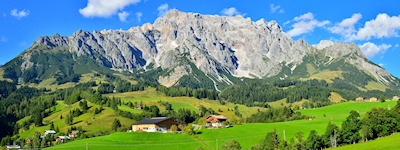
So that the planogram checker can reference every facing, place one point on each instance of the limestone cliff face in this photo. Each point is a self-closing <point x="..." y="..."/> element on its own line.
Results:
<point x="214" y="44"/>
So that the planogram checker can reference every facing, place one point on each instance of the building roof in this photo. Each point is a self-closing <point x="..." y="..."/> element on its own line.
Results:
<point x="13" y="147"/>
<point x="218" y="116"/>
<point x="50" y="132"/>
<point x="63" y="137"/>
<point x="154" y="120"/>
<point x="74" y="132"/>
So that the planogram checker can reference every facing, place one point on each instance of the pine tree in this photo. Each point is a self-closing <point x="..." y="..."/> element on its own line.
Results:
<point x="313" y="141"/>
<point x="350" y="129"/>
<point x="329" y="139"/>
<point x="115" y="125"/>
<point x="38" y="118"/>
<point x="231" y="145"/>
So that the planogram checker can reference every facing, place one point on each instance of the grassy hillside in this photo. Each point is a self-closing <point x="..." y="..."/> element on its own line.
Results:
<point x="151" y="97"/>
<point x="89" y="121"/>
<point x="376" y="86"/>
<point x="386" y="143"/>
<point x="247" y="134"/>
<point x="101" y="122"/>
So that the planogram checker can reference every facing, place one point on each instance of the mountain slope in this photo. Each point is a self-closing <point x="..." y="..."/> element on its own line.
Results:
<point x="192" y="49"/>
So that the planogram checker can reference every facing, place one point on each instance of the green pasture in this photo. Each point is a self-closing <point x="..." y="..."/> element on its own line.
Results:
<point x="247" y="134"/>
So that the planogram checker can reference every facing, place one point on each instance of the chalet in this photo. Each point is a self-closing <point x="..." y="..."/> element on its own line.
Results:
<point x="156" y="124"/>
<point x="359" y="99"/>
<point x="29" y="140"/>
<point x="62" y="139"/>
<point x="73" y="133"/>
<point x="49" y="132"/>
<point x="373" y="99"/>
<point x="215" y="120"/>
<point x="139" y="107"/>
<point x="396" y="98"/>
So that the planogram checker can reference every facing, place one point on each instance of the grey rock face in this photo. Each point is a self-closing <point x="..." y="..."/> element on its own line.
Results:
<point x="214" y="44"/>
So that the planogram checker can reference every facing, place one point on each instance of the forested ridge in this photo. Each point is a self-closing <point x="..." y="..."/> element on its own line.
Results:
<point x="317" y="91"/>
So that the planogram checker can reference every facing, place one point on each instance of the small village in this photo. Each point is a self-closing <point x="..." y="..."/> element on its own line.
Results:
<point x="155" y="124"/>
<point x="373" y="99"/>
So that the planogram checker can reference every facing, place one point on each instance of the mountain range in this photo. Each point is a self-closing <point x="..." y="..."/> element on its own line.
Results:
<point x="195" y="50"/>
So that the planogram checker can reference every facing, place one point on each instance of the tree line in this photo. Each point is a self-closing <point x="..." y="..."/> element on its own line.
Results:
<point x="378" y="122"/>
<point x="278" y="114"/>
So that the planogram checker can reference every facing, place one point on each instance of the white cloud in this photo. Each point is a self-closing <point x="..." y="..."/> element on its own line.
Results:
<point x="305" y="24"/>
<point x="306" y="16"/>
<point x="122" y="16"/>
<point x="346" y="26"/>
<point x="370" y="49"/>
<point x="275" y="8"/>
<point x="380" y="64"/>
<point x="139" y="16"/>
<point x="382" y="26"/>
<point x="230" y="12"/>
<point x="105" y="8"/>
<point x="397" y="45"/>
<point x="19" y="14"/>
<point x="162" y="9"/>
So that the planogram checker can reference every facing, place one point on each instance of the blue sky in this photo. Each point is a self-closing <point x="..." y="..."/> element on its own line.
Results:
<point x="373" y="25"/>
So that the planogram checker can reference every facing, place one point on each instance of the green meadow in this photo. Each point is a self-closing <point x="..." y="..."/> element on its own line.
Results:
<point x="385" y="143"/>
<point x="247" y="134"/>
<point x="151" y="97"/>
<point x="128" y="141"/>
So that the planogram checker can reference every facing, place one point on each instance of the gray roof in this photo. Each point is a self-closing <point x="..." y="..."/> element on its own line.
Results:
<point x="154" y="120"/>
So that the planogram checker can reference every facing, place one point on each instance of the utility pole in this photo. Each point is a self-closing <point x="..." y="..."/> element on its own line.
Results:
<point x="334" y="138"/>
<point x="284" y="135"/>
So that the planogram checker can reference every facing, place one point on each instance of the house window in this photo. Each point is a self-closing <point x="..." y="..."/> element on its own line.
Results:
<point x="145" y="128"/>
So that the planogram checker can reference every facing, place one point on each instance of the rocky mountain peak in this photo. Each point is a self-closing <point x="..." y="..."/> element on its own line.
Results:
<point x="216" y="45"/>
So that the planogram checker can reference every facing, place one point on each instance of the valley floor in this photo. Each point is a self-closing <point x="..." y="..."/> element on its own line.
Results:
<point x="246" y="134"/>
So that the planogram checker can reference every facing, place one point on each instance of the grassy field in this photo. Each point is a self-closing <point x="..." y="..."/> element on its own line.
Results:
<point x="336" y="97"/>
<point x="386" y="143"/>
<point x="326" y="75"/>
<point x="127" y="141"/>
<point x="247" y="134"/>
<point x="376" y="86"/>
<point x="1" y="76"/>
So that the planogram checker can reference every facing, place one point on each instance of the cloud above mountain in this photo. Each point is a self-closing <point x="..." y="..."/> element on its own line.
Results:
<point x="370" y="49"/>
<point x="304" y="24"/>
<point x="105" y="8"/>
<point x="232" y="11"/>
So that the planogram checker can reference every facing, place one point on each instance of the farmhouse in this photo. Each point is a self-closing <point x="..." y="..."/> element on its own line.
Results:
<point x="49" y="132"/>
<point x="29" y="140"/>
<point x="215" y="120"/>
<point x="62" y="139"/>
<point x="73" y="133"/>
<point x="373" y="99"/>
<point x="359" y="99"/>
<point x="156" y="124"/>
